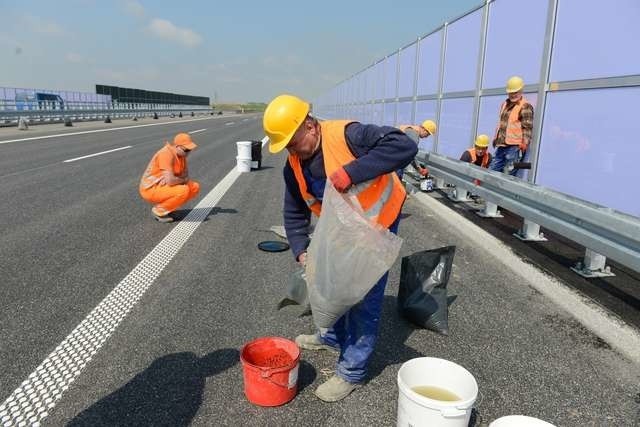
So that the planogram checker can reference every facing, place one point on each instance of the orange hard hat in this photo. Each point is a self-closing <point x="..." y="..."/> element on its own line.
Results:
<point x="184" y="140"/>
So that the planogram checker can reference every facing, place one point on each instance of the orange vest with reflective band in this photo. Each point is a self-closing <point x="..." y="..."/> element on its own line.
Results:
<point x="153" y="174"/>
<point x="381" y="198"/>
<point x="474" y="157"/>
<point x="513" y="134"/>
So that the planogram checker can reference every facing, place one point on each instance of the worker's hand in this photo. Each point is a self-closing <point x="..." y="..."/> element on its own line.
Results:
<point x="523" y="147"/>
<point x="341" y="180"/>
<point x="423" y="171"/>
<point x="302" y="259"/>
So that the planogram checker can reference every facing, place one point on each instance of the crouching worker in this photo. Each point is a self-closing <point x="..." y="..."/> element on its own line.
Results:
<point x="349" y="154"/>
<point x="165" y="183"/>
<point x="478" y="155"/>
<point x="416" y="133"/>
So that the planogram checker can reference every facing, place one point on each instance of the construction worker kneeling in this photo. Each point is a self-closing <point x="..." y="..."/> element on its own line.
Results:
<point x="165" y="182"/>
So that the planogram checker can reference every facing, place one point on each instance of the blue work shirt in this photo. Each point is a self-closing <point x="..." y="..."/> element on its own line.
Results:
<point x="378" y="150"/>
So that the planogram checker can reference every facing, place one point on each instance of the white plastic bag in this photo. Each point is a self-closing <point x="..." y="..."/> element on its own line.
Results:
<point x="347" y="256"/>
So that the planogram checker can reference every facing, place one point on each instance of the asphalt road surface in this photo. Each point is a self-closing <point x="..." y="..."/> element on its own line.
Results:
<point x="177" y="301"/>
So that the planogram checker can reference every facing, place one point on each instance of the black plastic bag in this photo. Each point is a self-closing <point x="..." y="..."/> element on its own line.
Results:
<point x="422" y="297"/>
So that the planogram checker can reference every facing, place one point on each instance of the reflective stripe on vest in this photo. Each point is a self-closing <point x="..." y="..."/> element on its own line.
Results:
<point x="513" y="133"/>
<point x="474" y="157"/>
<point x="381" y="198"/>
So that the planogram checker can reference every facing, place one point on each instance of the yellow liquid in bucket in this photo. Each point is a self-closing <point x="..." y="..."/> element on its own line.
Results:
<point x="436" y="393"/>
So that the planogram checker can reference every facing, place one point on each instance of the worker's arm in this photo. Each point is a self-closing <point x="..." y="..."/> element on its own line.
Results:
<point x="526" y="121"/>
<point x="297" y="216"/>
<point x="167" y="177"/>
<point x="378" y="150"/>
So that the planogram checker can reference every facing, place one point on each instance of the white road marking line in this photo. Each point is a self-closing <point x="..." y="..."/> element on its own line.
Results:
<point x="102" y="130"/>
<point x="229" y="123"/>
<point x="196" y="131"/>
<point x="97" y="154"/>
<point x="44" y="387"/>
<point x="244" y="120"/>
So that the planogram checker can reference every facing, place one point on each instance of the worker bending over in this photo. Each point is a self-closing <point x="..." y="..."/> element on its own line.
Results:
<point x="350" y="155"/>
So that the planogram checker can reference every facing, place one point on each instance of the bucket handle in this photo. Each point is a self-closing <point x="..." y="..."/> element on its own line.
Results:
<point x="267" y="373"/>
<point x="452" y="412"/>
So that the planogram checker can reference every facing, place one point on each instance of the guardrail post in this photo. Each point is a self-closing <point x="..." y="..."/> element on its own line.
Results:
<point x="459" y="195"/>
<point x="593" y="265"/>
<point x="530" y="232"/>
<point x="490" y="211"/>
<point x="439" y="182"/>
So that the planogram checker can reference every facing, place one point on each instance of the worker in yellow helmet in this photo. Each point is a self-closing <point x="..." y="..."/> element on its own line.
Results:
<point x="416" y="133"/>
<point x="513" y="132"/>
<point x="354" y="157"/>
<point x="479" y="154"/>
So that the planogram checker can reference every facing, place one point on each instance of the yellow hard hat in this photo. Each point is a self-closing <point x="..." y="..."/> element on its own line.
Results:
<point x="515" y="84"/>
<point x="430" y="126"/>
<point x="482" y="141"/>
<point x="282" y="117"/>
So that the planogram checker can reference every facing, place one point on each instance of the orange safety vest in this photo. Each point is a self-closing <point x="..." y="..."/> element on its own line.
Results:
<point x="474" y="157"/>
<point x="153" y="174"/>
<point x="381" y="198"/>
<point x="513" y="135"/>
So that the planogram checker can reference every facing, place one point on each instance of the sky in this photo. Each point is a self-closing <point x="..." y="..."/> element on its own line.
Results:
<point x="230" y="51"/>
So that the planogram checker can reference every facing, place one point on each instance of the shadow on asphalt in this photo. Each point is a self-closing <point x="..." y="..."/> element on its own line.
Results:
<point x="181" y="214"/>
<point x="306" y="375"/>
<point x="394" y="331"/>
<point x="168" y="392"/>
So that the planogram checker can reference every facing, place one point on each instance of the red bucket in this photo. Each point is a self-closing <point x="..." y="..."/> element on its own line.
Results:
<point x="270" y="370"/>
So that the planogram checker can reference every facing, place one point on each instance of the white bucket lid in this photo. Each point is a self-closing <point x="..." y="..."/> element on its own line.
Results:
<point x="519" y="421"/>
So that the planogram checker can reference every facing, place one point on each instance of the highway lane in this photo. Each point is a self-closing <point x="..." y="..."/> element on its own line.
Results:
<point x="72" y="231"/>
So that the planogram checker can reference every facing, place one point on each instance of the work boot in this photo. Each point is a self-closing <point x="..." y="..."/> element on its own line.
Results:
<point x="312" y="342"/>
<point x="161" y="218"/>
<point x="334" y="389"/>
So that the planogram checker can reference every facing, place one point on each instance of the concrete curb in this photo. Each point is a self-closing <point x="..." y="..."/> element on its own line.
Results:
<point x="610" y="328"/>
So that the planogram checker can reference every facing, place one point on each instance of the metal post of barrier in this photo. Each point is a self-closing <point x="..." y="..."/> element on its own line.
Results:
<point x="459" y="195"/>
<point x="530" y="232"/>
<point x="443" y="49"/>
<point x="490" y="211"/>
<point x="593" y="265"/>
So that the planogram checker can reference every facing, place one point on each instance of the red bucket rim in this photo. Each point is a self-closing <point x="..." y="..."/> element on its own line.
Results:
<point x="270" y="338"/>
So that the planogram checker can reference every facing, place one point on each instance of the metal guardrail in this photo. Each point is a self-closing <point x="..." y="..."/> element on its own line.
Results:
<point x="11" y="117"/>
<point x="599" y="229"/>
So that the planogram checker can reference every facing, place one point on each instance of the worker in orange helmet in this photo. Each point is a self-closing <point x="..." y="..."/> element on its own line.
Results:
<point x="165" y="182"/>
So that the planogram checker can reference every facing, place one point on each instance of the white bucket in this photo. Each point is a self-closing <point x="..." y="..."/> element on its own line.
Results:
<point x="243" y="164"/>
<point x="417" y="410"/>
<point x="244" y="149"/>
<point x="519" y="421"/>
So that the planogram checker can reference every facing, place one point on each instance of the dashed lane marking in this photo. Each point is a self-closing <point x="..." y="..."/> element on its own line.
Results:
<point x="196" y="131"/>
<point x="31" y="402"/>
<point x="96" y="154"/>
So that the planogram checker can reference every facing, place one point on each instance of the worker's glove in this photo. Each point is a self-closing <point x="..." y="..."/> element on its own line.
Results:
<point x="341" y="180"/>
<point x="423" y="171"/>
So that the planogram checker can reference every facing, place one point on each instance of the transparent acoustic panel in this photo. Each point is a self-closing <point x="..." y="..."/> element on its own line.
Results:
<point x="490" y="113"/>
<point x="390" y="75"/>
<point x="407" y="71"/>
<point x="389" y="114"/>
<point x="404" y="113"/>
<point x="426" y="110"/>
<point x="379" y="78"/>
<point x="499" y="64"/>
<point x="371" y="84"/>
<point x="377" y="111"/>
<point x="454" y="130"/>
<point x="596" y="39"/>
<point x="429" y="64"/>
<point x="461" y="56"/>
<point x="589" y="148"/>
